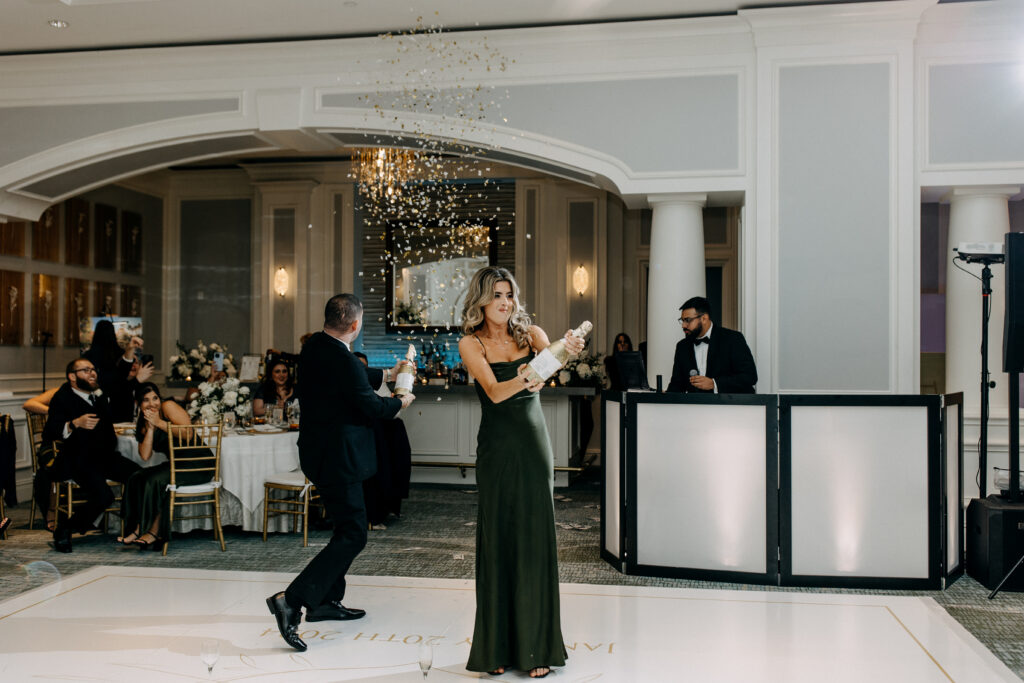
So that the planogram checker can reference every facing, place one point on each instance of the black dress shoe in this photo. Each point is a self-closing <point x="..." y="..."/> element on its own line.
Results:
<point x="288" y="619"/>
<point x="62" y="540"/>
<point x="334" y="611"/>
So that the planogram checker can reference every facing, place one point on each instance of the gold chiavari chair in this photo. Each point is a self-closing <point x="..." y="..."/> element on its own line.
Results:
<point x="191" y="447"/>
<point x="296" y="495"/>
<point x="35" y="424"/>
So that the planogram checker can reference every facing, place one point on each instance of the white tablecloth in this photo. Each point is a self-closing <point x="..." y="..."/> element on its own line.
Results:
<point x="246" y="460"/>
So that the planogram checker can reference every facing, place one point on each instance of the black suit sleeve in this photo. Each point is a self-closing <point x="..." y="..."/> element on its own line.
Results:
<point x="741" y="373"/>
<point x="680" y="375"/>
<point x="364" y="397"/>
<point x="57" y="416"/>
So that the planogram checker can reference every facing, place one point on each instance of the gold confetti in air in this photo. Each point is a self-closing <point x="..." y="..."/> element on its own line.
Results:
<point x="414" y="178"/>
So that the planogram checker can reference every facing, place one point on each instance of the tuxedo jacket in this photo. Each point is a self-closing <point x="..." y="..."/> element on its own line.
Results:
<point x="65" y="406"/>
<point x="336" y="444"/>
<point x="729" y="363"/>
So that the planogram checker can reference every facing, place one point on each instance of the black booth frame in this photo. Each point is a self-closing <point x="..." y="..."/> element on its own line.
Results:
<point x="628" y="544"/>
<point x="935" y="456"/>
<point x="778" y="463"/>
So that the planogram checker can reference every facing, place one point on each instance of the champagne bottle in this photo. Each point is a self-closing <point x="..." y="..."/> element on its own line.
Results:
<point x="551" y="359"/>
<point x="406" y="374"/>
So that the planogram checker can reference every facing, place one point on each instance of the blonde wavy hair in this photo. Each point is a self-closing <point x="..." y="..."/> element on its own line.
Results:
<point x="481" y="292"/>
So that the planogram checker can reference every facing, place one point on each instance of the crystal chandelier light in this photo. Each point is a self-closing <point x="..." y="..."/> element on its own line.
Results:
<point x="382" y="171"/>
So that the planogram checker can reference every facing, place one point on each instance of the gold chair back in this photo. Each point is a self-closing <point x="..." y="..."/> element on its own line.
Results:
<point x="35" y="423"/>
<point x="191" y="447"/>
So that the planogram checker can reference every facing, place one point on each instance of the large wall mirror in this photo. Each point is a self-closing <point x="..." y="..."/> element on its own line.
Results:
<point x="430" y="268"/>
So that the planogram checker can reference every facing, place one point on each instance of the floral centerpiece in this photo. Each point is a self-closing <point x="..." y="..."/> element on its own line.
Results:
<point x="585" y="370"/>
<point x="216" y="398"/>
<point x="195" y="364"/>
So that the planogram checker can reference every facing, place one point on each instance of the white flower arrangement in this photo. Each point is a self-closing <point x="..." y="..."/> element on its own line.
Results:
<point x="216" y="398"/>
<point x="584" y="370"/>
<point x="190" y="365"/>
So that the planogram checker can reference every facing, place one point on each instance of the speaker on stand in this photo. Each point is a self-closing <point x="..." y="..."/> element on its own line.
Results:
<point x="1000" y="528"/>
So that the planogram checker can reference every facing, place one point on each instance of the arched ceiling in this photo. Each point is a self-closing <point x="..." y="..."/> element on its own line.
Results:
<point x="108" y="24"/>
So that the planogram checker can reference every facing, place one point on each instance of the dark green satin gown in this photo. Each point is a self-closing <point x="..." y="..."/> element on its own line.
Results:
<point x="517" y="608"/>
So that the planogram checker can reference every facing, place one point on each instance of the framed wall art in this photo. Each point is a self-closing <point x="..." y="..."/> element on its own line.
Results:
<point x="76" y="298"/>
<point x="46" y="237"/>
<point x="131" y="242"/>
<point x="12" y="239"/>
<point x="76" y="232"/>
<point x="44" y="308"/>
<point x="12" y="306"/>
<point x="104" y="299"/>
<point x="131" y="301"/>
<point x="105" y="236"/>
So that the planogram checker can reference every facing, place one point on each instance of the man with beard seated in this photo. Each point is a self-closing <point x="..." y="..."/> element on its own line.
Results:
<point x="79" y="419"/>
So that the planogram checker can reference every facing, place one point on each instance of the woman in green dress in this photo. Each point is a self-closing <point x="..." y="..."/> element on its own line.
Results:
<point x="517" y="608"/>
<point x="145" y="497"/>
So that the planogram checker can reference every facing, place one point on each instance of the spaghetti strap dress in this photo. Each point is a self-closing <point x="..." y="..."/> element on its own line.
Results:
<point x="517" y="606"/>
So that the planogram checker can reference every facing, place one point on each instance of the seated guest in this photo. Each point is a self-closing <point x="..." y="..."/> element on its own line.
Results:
<point x="118" y="370"/>
<point x="40" y="404"/>
<point x="710" y="359"/>
<point x="79" y="418"/>
<point x="145" y="496"/>
<point x="4" y="523"/>
<point x="278" y="389"/>
<point x="621" y="344"/>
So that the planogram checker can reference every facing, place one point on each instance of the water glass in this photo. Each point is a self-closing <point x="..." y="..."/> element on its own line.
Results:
<point x="229" y="419"/>
<point x="209" y="652"/>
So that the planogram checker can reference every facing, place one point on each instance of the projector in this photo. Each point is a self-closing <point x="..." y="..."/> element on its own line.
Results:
<point x="980" y="252"/>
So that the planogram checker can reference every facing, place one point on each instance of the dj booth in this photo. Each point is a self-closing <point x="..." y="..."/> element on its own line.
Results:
<point x="795" y="490"/>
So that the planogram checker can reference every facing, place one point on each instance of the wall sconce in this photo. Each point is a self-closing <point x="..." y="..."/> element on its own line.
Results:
<point x="281" y="281"/>
<point x="580" y="280"/>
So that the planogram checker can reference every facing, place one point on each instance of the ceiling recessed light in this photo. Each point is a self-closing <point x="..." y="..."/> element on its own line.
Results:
<point x="58" y="23"/>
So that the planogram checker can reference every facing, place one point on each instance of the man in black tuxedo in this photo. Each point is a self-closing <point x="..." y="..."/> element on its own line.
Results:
<point x="337" y="453"/>
<point x="79" y="418"/>
<point x="710" y="359"/>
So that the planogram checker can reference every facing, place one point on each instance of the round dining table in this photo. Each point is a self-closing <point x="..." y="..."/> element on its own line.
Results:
<point x="246" y="460"/>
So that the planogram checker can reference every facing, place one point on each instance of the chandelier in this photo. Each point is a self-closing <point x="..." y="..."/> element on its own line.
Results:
<point x="382" y="171"/>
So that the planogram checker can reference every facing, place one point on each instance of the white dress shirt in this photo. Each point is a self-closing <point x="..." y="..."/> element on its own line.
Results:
<point x="700" y="352"/>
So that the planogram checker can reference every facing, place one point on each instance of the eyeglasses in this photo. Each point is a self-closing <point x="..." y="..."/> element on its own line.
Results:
<point x="86" y="370"/>
<point x="687" y="321"/>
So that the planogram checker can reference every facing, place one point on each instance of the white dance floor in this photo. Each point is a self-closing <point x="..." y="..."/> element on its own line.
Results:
<point x="139" y="624"/>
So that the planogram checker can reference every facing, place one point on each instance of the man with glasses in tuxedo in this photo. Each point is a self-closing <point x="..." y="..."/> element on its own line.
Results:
<point x="710" y="358"/>
<point x="79" y="423"/>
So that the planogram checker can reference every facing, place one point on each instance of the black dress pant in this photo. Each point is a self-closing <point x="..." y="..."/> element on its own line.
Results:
<point x="323" y="579"/>
<point x="91" y="475"/>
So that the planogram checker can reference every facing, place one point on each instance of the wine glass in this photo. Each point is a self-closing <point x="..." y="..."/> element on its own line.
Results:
<point x="426" y="658"/>
<point x="209" y="652"/>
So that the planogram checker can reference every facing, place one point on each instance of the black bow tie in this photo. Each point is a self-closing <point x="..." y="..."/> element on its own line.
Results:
<point x="702" y="340"/>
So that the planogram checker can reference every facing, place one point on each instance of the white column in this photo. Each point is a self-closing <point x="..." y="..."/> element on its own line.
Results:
<point x="676" y="274"/>
<point x="977" y="214"/>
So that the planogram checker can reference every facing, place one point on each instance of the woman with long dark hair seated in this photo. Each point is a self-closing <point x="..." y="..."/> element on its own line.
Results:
<point x="145" y="499"/>
<point x="277" y="390"/>
<point x="117" y="370"/>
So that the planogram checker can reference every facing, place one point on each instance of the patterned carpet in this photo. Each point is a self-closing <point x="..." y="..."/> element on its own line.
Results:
<point x="435" y="538"/>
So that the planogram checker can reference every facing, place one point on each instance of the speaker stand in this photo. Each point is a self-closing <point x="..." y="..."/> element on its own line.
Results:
<point x="986" y="384"/>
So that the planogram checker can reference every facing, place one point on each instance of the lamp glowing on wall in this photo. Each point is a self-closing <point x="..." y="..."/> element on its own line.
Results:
<point x="580" y="280"/>
<point x="281" y="281"/>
